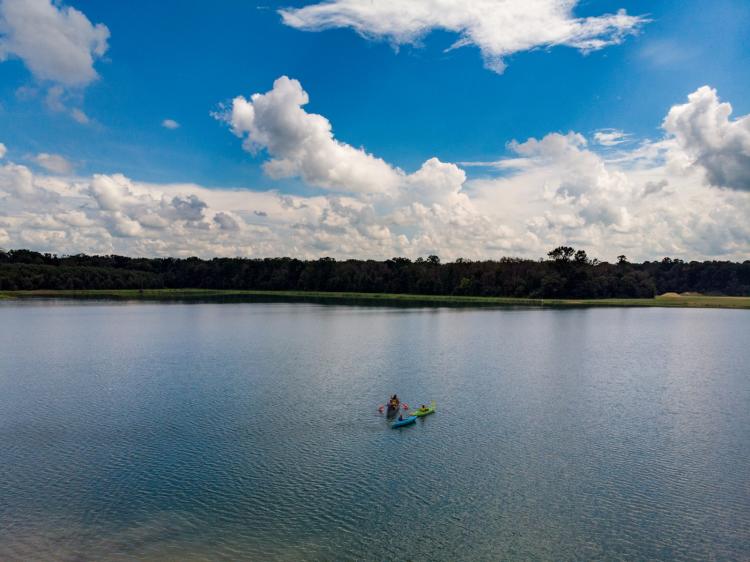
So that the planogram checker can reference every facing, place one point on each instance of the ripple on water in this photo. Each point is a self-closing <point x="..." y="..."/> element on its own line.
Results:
<point x="211" y="432"/>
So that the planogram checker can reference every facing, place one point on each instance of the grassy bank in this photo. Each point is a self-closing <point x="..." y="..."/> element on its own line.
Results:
<point x="672" y="300"/>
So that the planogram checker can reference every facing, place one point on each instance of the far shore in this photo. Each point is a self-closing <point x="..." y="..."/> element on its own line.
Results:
<point x="667" y="300"/>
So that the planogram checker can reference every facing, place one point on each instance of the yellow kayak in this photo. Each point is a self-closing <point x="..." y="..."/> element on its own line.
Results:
<point x="420" y="412"/>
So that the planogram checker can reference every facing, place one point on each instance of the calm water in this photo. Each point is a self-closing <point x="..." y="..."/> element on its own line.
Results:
<point x="250" y="432"/>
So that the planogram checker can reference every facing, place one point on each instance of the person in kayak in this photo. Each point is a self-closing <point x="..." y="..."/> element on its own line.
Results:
<point x="400" y="417"/>
<point x="393" y="406"/>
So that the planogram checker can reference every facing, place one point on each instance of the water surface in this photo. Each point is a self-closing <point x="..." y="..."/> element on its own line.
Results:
<point x="250" y="432"/>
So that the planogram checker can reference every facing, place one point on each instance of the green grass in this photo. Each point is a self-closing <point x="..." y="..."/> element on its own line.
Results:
<point x="680" y="301"/>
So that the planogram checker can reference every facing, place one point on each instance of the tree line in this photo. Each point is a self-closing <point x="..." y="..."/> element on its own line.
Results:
<point x="566" y="273"/>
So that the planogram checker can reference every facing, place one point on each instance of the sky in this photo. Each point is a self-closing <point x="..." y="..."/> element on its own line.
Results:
<point x="372" y="128"/>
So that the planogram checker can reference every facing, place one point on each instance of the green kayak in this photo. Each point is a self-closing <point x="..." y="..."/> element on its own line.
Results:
<point x="419" y="412"/>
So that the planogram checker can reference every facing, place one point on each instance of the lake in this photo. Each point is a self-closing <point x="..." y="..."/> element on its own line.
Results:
<point x="249" y="431"/>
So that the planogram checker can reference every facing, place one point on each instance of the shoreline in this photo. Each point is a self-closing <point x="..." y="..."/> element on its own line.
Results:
<point x="669" y="301"/>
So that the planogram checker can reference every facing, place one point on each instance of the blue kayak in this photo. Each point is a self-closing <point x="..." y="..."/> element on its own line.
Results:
<point x="403" y="422"/>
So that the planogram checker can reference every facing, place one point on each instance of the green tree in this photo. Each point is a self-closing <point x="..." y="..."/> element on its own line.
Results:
<point x="562" y="253"/>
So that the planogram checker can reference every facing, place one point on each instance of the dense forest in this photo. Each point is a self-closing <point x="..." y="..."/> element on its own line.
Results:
<point x="566" y="273"/>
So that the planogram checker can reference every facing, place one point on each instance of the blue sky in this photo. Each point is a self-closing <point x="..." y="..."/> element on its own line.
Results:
<point x="180" y="60"/>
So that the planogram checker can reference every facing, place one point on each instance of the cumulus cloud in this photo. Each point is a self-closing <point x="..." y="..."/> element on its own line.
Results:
<point x="372" y="197"/>
<point x="576" y="181"/>
<point x="648" y="201"/>
<point x="575" y="196"/>
<point x="227" y="221"/>
<point x="57" y="43"/>
<point x="53" y="163"/>
<point x="111" y="192"/>
<point x="302" y="144"/>
<point x="654" y="187"/>
<point x="3" y="150"/>
<point x="16" y="180"/>
<point x="187" y="207"/>
<point x="720" y="146"/>
<point x="498" y="29"/>
<point x="170" y="124"/>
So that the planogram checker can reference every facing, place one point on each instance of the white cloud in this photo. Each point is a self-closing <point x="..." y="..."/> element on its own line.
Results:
<point x="435" y="182"/>
<point x="302" y="144"/>
<point x="170" y="124"/>
<point x="227" y="221"/>
<point x="186" y="207"/>
<point x="574" y="186"/>
<point x="53" y="163"/>
<point x="3" y="150"/>
<point x="712" y="141"/>
<point x="499" y="29"/>
<point x="610" y="137"/>
<point x="646" y="202"/>
<point x="57" y="43"/>
<point x="576" y="197"/>
<point x="377" y="193"/>
<point x="111" y="192"/>
<point x="16" y="180"/>
<point x="121" y="225"/>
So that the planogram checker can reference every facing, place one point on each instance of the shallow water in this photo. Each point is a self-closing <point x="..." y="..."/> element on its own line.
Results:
<point x="250" y="432"/>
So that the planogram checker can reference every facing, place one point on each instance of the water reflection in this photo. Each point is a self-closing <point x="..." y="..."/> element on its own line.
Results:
<point x="250" y="431"/>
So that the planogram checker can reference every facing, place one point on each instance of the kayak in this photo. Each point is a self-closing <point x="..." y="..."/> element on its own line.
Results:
<point x="419" y="412"/>
<point x="403" y="422"/>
